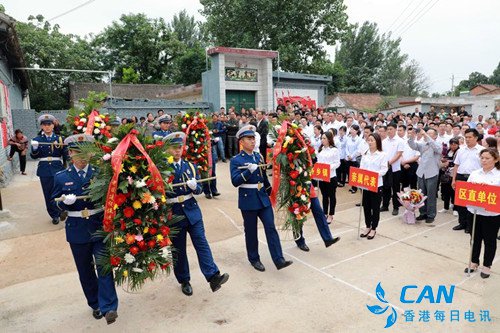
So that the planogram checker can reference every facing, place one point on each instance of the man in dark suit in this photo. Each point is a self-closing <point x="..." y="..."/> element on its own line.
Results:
<point x="184" y="204"/>
<point x="263" y="130"/>
<point x="83" y="221"/>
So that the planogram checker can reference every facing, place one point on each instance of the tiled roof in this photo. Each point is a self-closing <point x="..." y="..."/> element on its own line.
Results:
<point x="359" y="101"/>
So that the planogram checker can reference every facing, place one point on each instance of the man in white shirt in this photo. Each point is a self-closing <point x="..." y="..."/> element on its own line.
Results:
<point x="443" y="137"/>
<point x="339" y="122"/>
<point x="393" y="146"/>
<point x="466" y="161"/>
<point x="409" y="160"/>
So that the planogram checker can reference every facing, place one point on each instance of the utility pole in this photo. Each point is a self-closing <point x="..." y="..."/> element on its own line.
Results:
<point x="452" y="84"/>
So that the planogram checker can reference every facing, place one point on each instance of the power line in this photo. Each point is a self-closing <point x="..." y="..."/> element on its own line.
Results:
<point x="408" y="16"/>
<point x="418" y="18"/>
<point x="71" y="10"/>
<point x="401" y="14"/>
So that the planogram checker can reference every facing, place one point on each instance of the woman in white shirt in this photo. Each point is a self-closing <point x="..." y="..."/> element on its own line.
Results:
<point x="328" y="154"/>
<point x="340" y="141"/>
<point x="487" y="223"/>
<point x="316" y="138"/>
<point x="352" y="146"/>
<point x="373" y="160"/>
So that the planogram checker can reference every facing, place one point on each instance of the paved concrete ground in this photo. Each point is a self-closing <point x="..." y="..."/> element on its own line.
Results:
<point x="325" y="290"/>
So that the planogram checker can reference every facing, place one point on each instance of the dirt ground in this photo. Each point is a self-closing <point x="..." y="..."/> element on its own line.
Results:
<point x="325" y="290"/>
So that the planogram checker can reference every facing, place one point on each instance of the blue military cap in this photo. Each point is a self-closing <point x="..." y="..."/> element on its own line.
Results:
<point x="74" y="140"/>
<point x="46" y="119"/>
<point x="166" y="118"/>
<point x="176" y="138"/>
<point x="248" y="130"/>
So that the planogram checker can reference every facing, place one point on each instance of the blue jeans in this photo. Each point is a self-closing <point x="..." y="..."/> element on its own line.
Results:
<point x="218" y="148"/>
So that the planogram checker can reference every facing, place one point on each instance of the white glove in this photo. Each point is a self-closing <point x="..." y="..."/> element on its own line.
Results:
<point x="252" y="167"/>
<point x="216" y="139"/>
<point x="192" y="184"/>
<point x="34" y="144"/>
<point x="69" y="199"/>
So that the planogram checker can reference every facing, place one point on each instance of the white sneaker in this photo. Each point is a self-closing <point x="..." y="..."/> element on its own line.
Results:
<point x="451" y="206"/>
<point x="442" y="210"/>
<point x="455" y="213"/>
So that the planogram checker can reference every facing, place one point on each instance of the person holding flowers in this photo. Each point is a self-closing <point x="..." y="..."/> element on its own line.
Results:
<point x="184" y="204"/>
<point x="84" y="219"/>
<point x="253" y="200"/>
<point x="328" y="154"/>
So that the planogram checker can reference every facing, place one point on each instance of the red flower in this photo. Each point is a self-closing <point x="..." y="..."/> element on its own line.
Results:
<point x="159" y="143"/>
<point x="115" y="261"/>
<point x="128" y="212"/>
<point x="134" y="250"/>
<point x="295" y="205"/>
<point x="122" y="225"/>
<point x="120" y="199"/>
<point x="138" y="221"/>
<point x="106" y="149"/>
<point x="151" y="243"/>
<point x="293" y="182"/>
<point x="153" y="230"/>
<point x="151" y="266"/>
<point x="134" y="132"/>
<point x="149" y="147"/>
<point x="294" y="174"/>
<point x="164" y="266"/>
<point x="165" y="231"/>
<point x="142" y="245"/>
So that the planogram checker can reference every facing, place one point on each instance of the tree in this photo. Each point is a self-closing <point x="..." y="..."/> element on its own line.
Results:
<point x="186" y="29"/>
<point x="495" y="77"/>
<point x="413" y="80"/>
<point x="148" y="46"/>
<point x="190" y="65"/>
<point x="45" y="46"/>
<point x="297" y="29"/>
<point x="474" y="79"/>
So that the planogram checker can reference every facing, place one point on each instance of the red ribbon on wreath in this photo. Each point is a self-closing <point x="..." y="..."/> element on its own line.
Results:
<point x="207" y="140"/>
<point x="116" y="164"/>
<point x="91" y="120"/>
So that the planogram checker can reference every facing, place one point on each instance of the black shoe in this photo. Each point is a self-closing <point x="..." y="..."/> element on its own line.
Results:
<point x="218" y="280"/>
<point x="208" y="196"/>
<point x="111" y="316"/>
<point x="224" y="161"/>
<point x="63" y="216"/>
<point x="395" y="211"/>
<point x="484" y="275"/>
<point x="421" y="217"/>
<point x="216" y="194"/>
<point x="472" y="270"/>
<point x="55" y="220"/>
<point x="384" y="209"/>
<point x="429" y="220"/>
<point x="459" y="227"/>
<point x="258" y="266"/>
<point x="303" y="247"/>
<point x="372" y="237"/>
<point x="358" y="205"/>
<point x="330" y="242"/>
<point x="283" y="264"/>
<point x="186" y="288"/>
<point x="340" y="185"/>
<point x="353" y="191"/>
<point x="97" y="313"/>
<point x="467" y="231"/>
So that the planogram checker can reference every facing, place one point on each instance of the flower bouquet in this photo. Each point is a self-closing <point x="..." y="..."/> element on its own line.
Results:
<point x="88" y="120"/>
<point x="411" y="201"/>
<point x="292" y="167"/>
<point x="133" y="176"/>
<point x="198" y="148"/>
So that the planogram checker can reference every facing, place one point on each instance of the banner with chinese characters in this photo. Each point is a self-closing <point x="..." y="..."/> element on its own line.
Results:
<point x="477" y="195"/>
<point x="241" y="74"/>
<point x="362" y="178"/>
<point x="321" y="171"/>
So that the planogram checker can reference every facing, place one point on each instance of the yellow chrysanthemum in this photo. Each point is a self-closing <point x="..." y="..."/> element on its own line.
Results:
<point x="119" y="240"/>
<point x="159" y="238"/>
<point x="122" y="169"/>
<point x="187" y="116"/>
<point x="125" y="273"/>
<point x="145" y="231"/>
<point x="115" y="207"/>
<point x="82" y="114"/>
<point x="170" y="159"/>
<point x="102" y="116"/>
<point x="163" y="199"/>
<point x="133" y="169"/>
<point x="137" y="204"/>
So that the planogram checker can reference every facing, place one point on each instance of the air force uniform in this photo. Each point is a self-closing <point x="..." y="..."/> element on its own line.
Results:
<point x="51" y="158"/>
<point x="184" y="204"/>
<point x="253" y="201"/>
<point x="160" y="134"/>
<point x="84" y="219"/>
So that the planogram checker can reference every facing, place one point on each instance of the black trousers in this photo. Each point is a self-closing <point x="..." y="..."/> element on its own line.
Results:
<point x="350" y="164"/>
<point x="22" y="158"/>
<point x="329" y="194"/>
<point x="464" y="216"/>
<point x="409" y="176"/>
<point x="448" y="194"/>
<point x="392" y="185"/>
<point x="342" y="172"/>
<point x="371" y="208"/>
<point x="263" y="151"/>
<point x="486" y="231"/>
<point x="232" y="146"/>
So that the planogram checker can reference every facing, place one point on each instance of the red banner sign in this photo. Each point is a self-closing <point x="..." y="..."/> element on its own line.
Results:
<point x="321" y="171"/>
<point x="365" y="179"/>
<point x="477" y="195"/>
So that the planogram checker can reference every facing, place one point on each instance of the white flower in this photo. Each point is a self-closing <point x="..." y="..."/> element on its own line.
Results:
<point x="103" y="125"/>
<point x="300" y="170"/>
<point x="277" y="127"/>
<point x="112" y="140"/>
<point x="130" y="180"/>
<point x="106" y="157"/>
<point x="183" y="126"/>
<point x="137" y="270"/>
<point x="79" y="128"/>
<point x="140" y="183"/>
<point x="96" y="131"/>
<point x="165" y="252"/>
<point x="97" y="119"/>
<point x="84" y="129"/>
<point x="303" y="197"/>
<point x="83" y="120"/>
<point x="129" y="258"/>
<point x="296" y="211"/>
<point x="287" y="138"/>
<point x="305" y="174"/>
<point x="155" y="205"/>
<point x="198" y="142"/>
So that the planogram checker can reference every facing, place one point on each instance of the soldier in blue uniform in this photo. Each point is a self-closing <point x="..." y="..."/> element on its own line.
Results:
<point x="51" y="158"/>
<point x="83" y="221"/>
<point x="184" y="204"/>
<point x="165" y="122"/>
<point x="253" y="191"/>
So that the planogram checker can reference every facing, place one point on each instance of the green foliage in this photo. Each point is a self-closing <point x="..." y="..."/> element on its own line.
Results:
<point x="45" y="46"/>
<point x="297" y="29"/>
<point x="190" y="65"/>
<point x="129" y="75"/>
<point x="474" y="79"/>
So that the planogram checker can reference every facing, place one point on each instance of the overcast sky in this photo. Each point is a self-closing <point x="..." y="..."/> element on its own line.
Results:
<point x="446" y="36"/>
